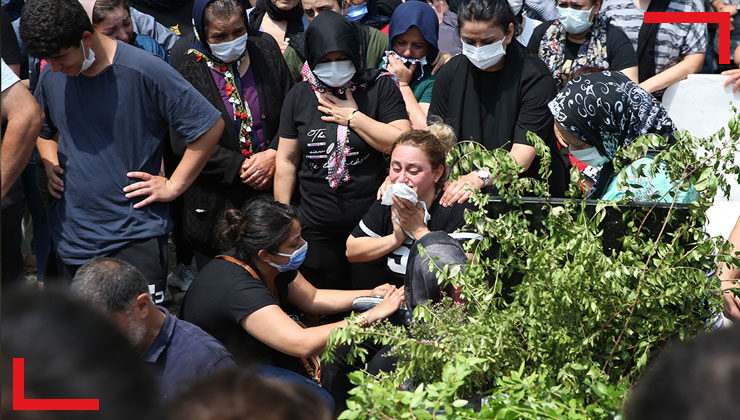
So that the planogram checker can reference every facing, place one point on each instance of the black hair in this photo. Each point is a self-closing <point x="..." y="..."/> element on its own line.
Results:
<point x="693" y="380"/>
<point x="262" y="223"/>
<point x="233" y="394"/>
<point x="497" y="12"/>
<point x="103" y="7"/>
<point x="222" y="9"/>
<point x="72" y="351"/>
<point x="49" y="26"/>
<point x="110" y="283"/>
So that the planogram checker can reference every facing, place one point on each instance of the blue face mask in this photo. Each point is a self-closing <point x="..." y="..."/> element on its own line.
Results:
<point x="355" y="13"/>
<point x="296" y="259"/>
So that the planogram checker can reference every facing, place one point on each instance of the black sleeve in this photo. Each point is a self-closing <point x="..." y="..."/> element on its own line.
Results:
<point x="538" y="89"/>
<point x="284" y="80"/>
<point x="374" y="223"/>
<point x="619" y="49"/>
<point x="391" y="106"/>
<point x="247" y="294"/>
<point x="441" y="91"/>
<point x="537" y="34"/>
<point x="288" y="128"/>
<point x="11" y="50"/>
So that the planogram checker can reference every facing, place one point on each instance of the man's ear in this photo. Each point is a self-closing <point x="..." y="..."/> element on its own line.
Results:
<point x="142" y="305"/>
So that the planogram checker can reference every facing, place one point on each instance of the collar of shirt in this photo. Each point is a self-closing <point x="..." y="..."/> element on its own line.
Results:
<point x="163" y="338"/>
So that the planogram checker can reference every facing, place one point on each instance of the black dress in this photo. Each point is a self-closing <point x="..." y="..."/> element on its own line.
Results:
<point x="497" y="109"/>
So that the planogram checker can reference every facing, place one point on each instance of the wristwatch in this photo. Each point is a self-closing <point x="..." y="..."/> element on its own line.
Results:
<point x="352" y="115"/>
<point x="484" y="175"/>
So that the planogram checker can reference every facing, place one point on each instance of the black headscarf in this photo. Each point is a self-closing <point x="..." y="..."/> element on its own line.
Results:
<point x="330" y="32"/>
<point x="199" y="28"/>
<point x="294" y="17"/>
<point x="607" y="111"/>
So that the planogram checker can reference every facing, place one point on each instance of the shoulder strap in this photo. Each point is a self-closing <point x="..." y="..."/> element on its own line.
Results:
<point x="270" y="284"/>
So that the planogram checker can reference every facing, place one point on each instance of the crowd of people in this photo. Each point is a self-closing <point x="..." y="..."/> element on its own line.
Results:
<point x="292" y="153"/>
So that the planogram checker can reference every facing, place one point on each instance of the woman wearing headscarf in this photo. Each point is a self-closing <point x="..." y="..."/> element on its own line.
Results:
<point x="494" y="93"/>
<point x="580" y="38"/>
<point x="334" y="129"/>
<point x="411" y="51"/>
<point x="598" y="113"/>
<point x="372" y="42"/>
<point x="282" y="19"/>
<point x="242" y="73"/>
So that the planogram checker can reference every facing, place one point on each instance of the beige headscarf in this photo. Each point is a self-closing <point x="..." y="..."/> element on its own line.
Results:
<point x="88" y="6"/>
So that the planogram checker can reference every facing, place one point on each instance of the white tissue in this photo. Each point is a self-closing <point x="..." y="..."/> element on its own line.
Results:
<point x="403" y="191"/>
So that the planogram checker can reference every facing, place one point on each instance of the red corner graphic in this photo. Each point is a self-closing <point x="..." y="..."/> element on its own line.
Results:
<point x="721" y="18"/>
<point x="20" y="403"/>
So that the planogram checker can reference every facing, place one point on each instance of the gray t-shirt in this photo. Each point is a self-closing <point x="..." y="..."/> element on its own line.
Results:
<point x="673" y="42"/>
<point x="108" y="125"/>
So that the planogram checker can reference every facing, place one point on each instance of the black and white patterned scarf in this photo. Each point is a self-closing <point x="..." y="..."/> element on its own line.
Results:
<point x="607" y="110"/>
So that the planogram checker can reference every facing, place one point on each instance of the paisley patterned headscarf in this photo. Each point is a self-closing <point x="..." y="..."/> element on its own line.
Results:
<point x="607" y="111"/>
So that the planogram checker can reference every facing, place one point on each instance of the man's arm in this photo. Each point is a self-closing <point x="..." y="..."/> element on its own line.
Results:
<point x="24" y="118"/>
<point x="159" y="188"/>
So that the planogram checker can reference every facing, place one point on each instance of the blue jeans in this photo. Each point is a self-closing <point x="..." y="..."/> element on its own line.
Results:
<point x="41" y="235"/>
<point x="295" y="378"/>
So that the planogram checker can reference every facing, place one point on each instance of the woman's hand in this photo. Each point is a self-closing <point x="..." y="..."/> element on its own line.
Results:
<point x="397" y="67"/>
<point x="398" y="234"/>
<point x="459" y="191"/>
<point x="258" y="170"/>
<point x="157" y="188"/>
<point x="337" y="110"/>
<point x="410" y="216"/>
<point x="380" y="290"/>
<point x="734" y="78"/>
<point x="383" y="186"/>
<point x="731" y="302"/>
<point x="442" y="59"/>
<point x="392" y="299"/>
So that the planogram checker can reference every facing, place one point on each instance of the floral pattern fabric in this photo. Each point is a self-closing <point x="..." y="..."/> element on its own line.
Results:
<point x="592" y="53"/>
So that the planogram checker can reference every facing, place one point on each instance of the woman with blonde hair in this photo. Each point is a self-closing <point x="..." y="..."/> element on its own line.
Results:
<point x="410" y="207"/>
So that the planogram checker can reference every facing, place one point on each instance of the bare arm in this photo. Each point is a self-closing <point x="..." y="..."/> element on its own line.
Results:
<point x="272" y="326"/>
<point x="417" y="112"/>
<point x="729" y="277"/>
<point x="380" y="136"/>
<point x="523" y="154"/>
<point x="690" y="64"/>
<point x="367" y="248"/>
<point x="309" y="299"/>
<point x="286" y="169"/>
<point x="158" y="188"/>
<point x="24" y="118"/>
<point x="632" y="73"/>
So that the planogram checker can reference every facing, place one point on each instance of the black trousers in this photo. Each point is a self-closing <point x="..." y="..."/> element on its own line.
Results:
<point x="12" y="259"/>
<point x="149" y="256"/>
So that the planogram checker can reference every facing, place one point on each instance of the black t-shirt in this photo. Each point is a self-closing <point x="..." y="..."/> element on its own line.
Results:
<point x="221" y="296"/>
<point x="528" y="106"/>
<point x="620" y="54"/>
<point x="377" y="223"/>
<point x="323" y="208"/>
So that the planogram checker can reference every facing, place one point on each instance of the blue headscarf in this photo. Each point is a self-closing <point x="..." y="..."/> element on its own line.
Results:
<point x="421" y="15"/>
<point x="199" y="7"/>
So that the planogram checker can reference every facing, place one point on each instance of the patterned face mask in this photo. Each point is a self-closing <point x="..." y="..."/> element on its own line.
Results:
<point x="408" y="61"/>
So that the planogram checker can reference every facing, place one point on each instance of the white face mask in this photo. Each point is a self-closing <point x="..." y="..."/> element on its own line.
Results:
<point x="486" y="56"/>
<point x="88" y="59"/>
<point x="590" y="156"/>
<point x="574" y="21"/>
<point x="335" y="73"/>
<point x="516" y="6"/>
<point x="229" y="51"/>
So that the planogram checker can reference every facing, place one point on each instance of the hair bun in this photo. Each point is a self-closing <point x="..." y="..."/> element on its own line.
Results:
<point x="443" y="132"/>
<point x="231" y="224"/>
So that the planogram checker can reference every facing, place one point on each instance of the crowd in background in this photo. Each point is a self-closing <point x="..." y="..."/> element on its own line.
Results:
<point x="290" y="154"/>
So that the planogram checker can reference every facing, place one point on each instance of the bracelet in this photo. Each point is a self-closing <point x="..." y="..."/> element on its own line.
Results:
<point x="362" y="321"/>
<point x="352" y="115"/>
